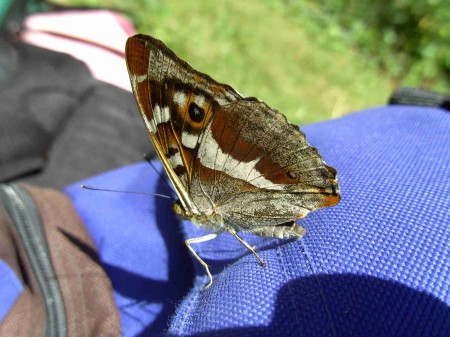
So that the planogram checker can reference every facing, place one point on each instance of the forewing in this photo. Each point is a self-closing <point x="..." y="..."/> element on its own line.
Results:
<point x="169" y="92"/>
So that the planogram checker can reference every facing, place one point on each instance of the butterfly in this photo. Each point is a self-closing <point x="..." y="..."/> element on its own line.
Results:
<point x="235" y="163"/>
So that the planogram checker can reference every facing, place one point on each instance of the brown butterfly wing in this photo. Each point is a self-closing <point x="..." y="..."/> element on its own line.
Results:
<point x="233" y="161"/>
<point x="171" y="97"/>
<point x="258" y="170"/>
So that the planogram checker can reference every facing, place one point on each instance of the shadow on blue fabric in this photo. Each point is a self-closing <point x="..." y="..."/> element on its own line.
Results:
<point x="142" y="291"/>
<point x="349" y="305"/>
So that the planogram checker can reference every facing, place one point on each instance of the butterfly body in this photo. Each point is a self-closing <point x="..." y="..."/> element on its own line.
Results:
<point x="236" y="164"/>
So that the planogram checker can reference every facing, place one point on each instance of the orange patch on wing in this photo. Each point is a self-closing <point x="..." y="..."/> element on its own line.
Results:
<point x="330" y="200"/>
<point x="226" y="131"/>
<point x="274" y="172"/>
<point x="137" y="55"/>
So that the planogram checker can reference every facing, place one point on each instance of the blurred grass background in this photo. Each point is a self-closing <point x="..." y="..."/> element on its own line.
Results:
<point x="311" y="60"/>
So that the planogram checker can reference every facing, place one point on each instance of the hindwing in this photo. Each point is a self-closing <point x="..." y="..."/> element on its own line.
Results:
<point x="258" y="170"/>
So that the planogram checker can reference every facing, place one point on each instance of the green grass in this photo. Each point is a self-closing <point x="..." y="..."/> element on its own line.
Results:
<point x="262" y="51"/>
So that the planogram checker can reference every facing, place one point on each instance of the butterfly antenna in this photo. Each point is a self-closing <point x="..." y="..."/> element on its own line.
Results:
<point x="148" y="159"/>
<point x="129" y="192"/>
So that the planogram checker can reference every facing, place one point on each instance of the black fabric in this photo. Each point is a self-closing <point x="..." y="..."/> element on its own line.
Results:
<point x="59" y="125"/>
<point x="419" y="97"/>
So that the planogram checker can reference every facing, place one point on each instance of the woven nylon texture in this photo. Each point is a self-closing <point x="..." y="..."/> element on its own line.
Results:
<point x="376" y="264"/>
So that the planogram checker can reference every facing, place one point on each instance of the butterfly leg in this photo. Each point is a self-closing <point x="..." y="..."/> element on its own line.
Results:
<point x="250" y="248"/>
<point x="199" y="259"/>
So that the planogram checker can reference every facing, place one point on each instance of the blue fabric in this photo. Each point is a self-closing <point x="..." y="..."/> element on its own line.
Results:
<point x="140" y="245"/>
<point x="376" y="264"/>
<point x="11" y="288"/>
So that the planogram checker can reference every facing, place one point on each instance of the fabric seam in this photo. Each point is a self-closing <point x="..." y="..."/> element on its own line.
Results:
<point x="319" y="287"/>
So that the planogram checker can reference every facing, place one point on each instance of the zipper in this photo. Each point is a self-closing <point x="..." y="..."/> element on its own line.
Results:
<point x="25" y="216"/>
